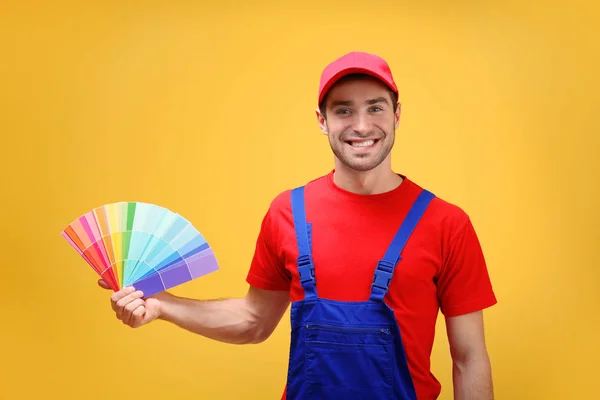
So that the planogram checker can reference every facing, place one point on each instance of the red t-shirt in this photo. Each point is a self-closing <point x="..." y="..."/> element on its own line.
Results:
<point x="442" y="269"/>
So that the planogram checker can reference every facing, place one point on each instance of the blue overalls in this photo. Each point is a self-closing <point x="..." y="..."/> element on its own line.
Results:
<point x="348" y="350"/>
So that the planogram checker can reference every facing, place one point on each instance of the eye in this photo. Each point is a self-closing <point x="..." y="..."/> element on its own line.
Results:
<point x="342" y="111"/>
<point x="376" y="108"/>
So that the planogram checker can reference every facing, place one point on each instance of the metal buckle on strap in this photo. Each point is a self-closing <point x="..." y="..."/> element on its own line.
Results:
<point x="306" y="269"/>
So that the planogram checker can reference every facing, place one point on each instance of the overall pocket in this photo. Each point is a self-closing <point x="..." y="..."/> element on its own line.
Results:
<point x="349" y="362"/>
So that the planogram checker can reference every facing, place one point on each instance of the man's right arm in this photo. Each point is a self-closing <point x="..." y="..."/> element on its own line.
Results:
<point x="249" y="319"/>
<point x="245" y="320"/>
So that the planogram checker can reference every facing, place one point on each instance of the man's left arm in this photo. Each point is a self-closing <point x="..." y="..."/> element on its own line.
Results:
<point x="471" y="370"/>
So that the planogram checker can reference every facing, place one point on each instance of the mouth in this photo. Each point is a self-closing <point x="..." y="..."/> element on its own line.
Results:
<point x="362" y="143"/>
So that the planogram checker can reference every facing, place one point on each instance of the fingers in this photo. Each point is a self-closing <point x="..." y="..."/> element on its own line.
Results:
<point x="128" y="305"/>
<point x="116" y="296"/>
<point x="124" y="304"/>
<point x="137" y="317"/>
<point x="129" y="309"/>
<point x="120" y="299"/>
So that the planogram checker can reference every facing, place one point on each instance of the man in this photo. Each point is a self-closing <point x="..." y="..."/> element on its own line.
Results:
<point x="367" y="258"/>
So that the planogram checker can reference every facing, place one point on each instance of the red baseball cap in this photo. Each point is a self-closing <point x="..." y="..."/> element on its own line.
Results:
<point x="356" y="62"/>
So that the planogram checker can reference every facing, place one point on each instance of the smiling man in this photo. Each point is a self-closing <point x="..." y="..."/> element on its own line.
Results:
<point x="366" y="256"/>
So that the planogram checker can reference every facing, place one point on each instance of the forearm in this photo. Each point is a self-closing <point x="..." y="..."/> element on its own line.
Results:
<point x="224" y="320"/>
<point x="472" y="379"/>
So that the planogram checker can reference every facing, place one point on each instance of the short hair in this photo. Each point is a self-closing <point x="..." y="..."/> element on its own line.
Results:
<point x="356" y="77"/>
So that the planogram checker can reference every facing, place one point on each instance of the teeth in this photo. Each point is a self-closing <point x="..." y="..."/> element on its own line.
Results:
<point x="363" y="144"/>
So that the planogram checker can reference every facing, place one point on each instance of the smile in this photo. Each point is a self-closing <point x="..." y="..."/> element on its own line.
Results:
<point x="362" y="143"/>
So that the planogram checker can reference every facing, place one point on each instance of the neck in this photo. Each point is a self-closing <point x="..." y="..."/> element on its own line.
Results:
<point x="378" y="180"/>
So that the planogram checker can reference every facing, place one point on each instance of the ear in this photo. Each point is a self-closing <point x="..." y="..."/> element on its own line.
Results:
<point x="397" y="116"/>
<point x="321" y="120"/>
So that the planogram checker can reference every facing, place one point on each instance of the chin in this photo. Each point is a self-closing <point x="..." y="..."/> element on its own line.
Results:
<point x="364" y="162"/>
<point x="361" y="166"/>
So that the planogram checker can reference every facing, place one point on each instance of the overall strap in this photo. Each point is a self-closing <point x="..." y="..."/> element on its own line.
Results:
<point x="306" y="268"/>
<point x="385" y="267"/>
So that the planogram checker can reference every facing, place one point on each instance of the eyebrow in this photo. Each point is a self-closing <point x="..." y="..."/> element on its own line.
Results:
<point x="370" y="101"/>
<point x="377" y="100"/>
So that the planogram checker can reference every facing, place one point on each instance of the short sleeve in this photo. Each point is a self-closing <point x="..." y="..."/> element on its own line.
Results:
<point x="267" y="271"/>
<point x="464" y="283"/>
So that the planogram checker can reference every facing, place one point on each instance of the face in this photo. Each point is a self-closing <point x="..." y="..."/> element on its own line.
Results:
<point x="360" y="123"/>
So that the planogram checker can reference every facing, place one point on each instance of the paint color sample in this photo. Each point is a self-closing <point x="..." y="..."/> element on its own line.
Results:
<point x="142" y="245"/>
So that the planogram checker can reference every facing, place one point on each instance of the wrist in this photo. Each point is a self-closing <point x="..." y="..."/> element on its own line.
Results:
<point x="165" y="299"/>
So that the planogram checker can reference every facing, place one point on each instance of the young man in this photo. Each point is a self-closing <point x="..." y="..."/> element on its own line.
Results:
<point x="367" y="258"/>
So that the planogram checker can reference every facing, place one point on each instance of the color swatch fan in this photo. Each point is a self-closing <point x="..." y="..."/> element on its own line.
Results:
<point x="141" y="244"/>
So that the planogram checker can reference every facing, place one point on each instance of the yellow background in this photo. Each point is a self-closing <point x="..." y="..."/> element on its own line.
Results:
<point x="209" y="110"/>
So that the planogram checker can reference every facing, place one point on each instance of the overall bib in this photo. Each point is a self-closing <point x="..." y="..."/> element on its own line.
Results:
<point x="348" y="350"/>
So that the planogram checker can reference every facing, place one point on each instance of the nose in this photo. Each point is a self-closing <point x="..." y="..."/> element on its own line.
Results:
<point x="361" y="124"/>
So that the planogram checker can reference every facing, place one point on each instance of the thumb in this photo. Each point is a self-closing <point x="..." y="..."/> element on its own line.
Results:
<point x="103" y="284"/>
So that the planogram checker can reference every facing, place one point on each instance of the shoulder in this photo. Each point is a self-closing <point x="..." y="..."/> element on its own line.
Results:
<point x="278" y="220"/>
<point x="449" y="214"/>
<point x="448" y="217"/>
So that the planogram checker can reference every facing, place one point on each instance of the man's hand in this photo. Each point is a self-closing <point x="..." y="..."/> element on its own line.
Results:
<point x="131" y="308"/>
